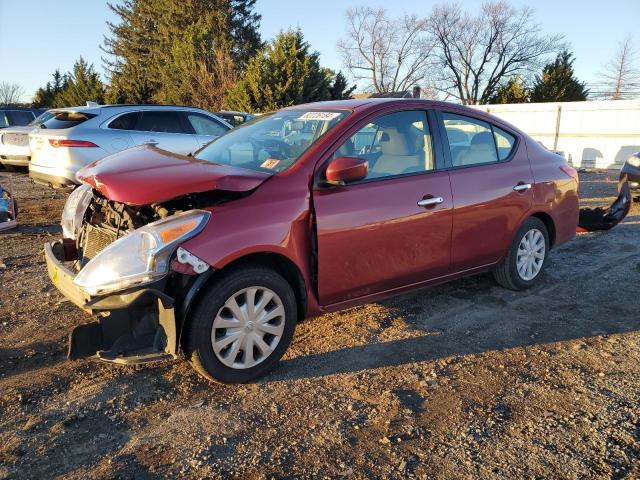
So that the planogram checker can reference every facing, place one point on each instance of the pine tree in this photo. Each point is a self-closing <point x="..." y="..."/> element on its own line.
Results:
<point x="514" y="91"/>
<point x="340" y="90"/>
<point x="284" y="73"/>
<point x="45" y="96"/>
<point x="558" y="83"/>
<point x="160" y="43"/>
<point x="83" y="85"/>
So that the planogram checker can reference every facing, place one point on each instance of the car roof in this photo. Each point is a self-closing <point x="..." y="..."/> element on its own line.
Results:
<point x="360" y="103"/>
<point x="95" y="108"/>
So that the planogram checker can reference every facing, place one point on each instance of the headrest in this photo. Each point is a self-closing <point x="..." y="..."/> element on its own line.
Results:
<point x="455" y="135"/>
<point x="346" y="150"/>
<point x="394" y="142"/>
<point x="483" y="138"/>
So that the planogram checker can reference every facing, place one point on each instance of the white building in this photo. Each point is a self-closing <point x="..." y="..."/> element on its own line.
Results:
<point x="598" y="134"/>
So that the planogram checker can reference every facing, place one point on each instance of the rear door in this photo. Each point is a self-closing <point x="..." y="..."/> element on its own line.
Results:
<point x="491" y="182"/>
<point x="373" y="235"/>
<point x="165" y="129"/>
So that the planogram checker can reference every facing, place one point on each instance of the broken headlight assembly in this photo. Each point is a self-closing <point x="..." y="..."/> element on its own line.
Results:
<point x="74" y="210"/>
<point x="140" y="257"/>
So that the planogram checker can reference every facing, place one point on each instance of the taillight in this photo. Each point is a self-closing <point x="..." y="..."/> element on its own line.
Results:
<point x="570" y="171"/>
<point x="59" y="142"/>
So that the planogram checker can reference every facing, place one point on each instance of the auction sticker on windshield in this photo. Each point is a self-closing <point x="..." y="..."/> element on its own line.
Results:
<point x="319" y="116"/>
<point x="270" y="163"/>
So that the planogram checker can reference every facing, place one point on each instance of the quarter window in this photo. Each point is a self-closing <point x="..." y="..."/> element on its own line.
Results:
<point x="504" y="142"/>
<point x="394" y="144"/>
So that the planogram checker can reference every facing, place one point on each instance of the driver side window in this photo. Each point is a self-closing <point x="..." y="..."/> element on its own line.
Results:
<point x="394" y="144"/>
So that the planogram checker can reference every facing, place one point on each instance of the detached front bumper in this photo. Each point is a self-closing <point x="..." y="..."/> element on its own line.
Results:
<point x="136" y="326"/>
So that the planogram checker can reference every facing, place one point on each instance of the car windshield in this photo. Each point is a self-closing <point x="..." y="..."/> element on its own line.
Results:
<point x="271" y="142"/>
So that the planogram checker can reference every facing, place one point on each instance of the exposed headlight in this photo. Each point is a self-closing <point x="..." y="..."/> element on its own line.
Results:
<point x="74" y="209"/>
<point x="634" y="160"/>
<point x="140" y="257"/>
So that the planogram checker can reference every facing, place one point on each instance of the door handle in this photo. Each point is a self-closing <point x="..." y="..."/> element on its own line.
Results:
<point x="429" y="202"/>
<point x="522" y="187"/>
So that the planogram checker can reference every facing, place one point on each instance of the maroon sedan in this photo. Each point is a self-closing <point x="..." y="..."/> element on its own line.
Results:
<point x="306" y="210"/>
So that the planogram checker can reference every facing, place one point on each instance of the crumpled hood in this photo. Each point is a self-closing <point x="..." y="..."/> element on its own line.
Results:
<point x="146" y="174"/>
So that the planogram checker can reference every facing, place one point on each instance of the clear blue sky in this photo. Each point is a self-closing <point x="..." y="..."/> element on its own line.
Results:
<point x="38" y="36"/>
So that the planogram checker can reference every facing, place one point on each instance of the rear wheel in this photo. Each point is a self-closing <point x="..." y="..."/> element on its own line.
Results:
<point x="527" y="256"/>
<point x="242" y="326"/>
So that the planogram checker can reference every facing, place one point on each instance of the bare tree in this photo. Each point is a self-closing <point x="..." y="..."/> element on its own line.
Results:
<point x="10" y="93"/>
<point x="389" y="54"/>
<point x="621" y="78"/>
<point x="477" y="53"/>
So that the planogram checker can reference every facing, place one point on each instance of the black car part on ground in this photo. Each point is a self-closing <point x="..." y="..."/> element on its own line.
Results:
<point x="599" y="219"/>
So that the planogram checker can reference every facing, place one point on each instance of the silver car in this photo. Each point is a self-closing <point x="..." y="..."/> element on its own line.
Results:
<point x="14" y="143"/>
<point x="77" y="136"/>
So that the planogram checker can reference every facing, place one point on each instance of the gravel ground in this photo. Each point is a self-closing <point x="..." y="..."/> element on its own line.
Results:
<point x="463" y="380"/>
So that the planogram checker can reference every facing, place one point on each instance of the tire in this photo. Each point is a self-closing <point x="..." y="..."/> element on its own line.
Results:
<point x="213" y="311"/>
<point x="9" y="168"/>
<point x="508" y="274"/>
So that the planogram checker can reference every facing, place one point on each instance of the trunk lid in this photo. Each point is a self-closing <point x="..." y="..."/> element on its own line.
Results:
<point x="146" y="174"/>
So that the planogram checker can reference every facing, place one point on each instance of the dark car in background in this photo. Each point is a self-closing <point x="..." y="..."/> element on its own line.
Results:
<point x="17" y="117"/>
<point x="234" y="118"/>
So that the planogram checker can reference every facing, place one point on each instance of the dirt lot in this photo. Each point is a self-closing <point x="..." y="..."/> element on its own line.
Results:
<point x="465" y="380"/>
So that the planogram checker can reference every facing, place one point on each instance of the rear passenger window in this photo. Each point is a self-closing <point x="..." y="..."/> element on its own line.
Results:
<point x="504" y="142"/>
<point x="471" y="141"/>
<point x="160" y="121"/>
<point x="125" y="122"/>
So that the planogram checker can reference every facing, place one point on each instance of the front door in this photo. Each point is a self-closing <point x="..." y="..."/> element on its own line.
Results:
<point x="393" y="228"/>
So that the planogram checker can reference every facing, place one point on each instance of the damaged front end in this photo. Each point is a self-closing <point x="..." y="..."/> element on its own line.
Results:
<point x="600" y="219"/>
<point x="125" y="264"/>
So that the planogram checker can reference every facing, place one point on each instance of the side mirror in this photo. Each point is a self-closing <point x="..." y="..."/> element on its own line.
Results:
<point x="343" y="170"/>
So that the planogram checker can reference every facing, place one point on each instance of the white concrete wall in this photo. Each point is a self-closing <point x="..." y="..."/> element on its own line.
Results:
<point x="598" y="134"/>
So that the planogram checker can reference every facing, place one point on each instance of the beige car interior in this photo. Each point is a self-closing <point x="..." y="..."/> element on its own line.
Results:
<point x="403" y="150"/>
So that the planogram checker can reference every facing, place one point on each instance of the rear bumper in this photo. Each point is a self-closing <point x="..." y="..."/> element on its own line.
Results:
<point x="137" y="326"/>
<point x="15" y="160"/>
<point x="50" y="180"/>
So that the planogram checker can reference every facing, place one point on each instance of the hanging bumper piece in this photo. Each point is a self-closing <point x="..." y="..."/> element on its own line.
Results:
<point x="600" y="219"/>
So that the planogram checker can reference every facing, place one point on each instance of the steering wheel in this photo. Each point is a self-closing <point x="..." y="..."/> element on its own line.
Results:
<point x="276" y="148"/>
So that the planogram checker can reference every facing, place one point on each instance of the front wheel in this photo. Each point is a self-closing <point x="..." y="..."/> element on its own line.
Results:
<point x="527" y="256"/>
<point x="242" y="326"/>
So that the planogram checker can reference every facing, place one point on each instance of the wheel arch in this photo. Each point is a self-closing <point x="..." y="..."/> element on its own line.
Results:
<point x="547" y="219"/>
<point x="275" y="261"/>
